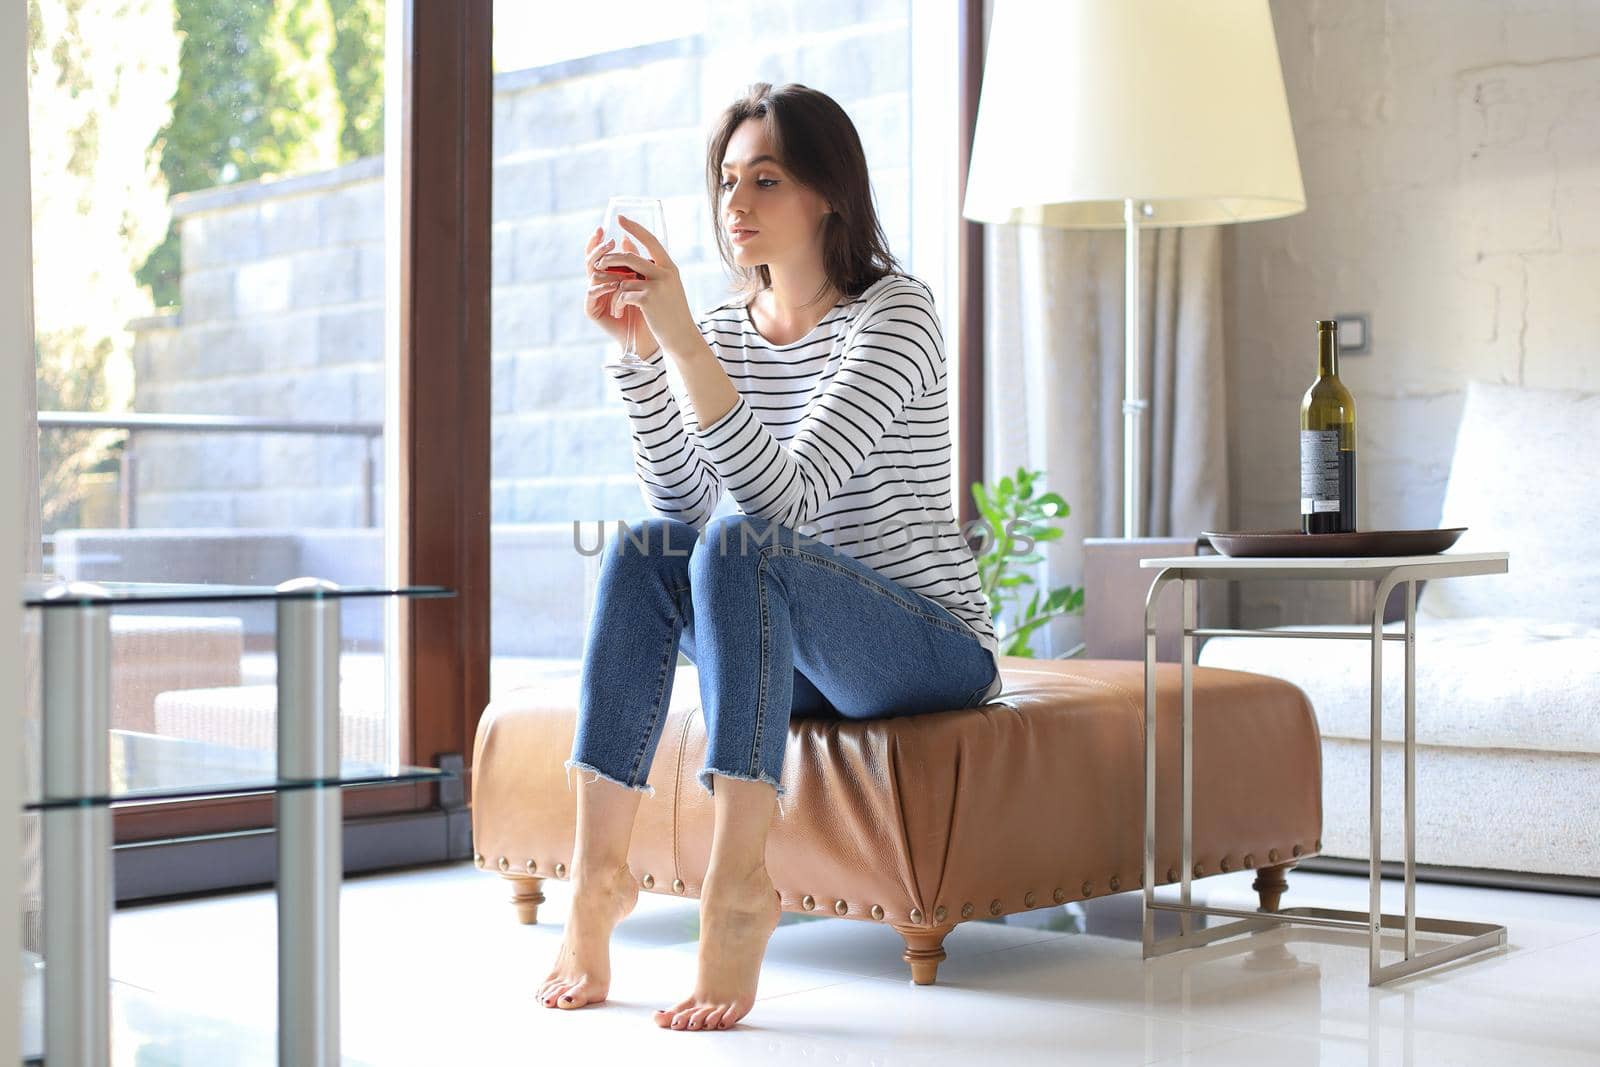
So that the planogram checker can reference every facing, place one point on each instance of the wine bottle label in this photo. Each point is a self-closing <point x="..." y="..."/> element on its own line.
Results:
<point x="1319" y="471"/>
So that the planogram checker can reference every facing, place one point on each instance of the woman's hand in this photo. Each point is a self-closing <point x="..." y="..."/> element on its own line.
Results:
<point x="658" y="295"/>
<point x="598" y="304"/>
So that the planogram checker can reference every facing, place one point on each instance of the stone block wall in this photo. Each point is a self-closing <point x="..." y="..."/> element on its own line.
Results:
<point x="282" y="291"/>
<point x="282" y="316"/>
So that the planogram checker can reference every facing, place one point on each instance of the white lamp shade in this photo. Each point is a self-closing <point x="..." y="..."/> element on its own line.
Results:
<point x="1175" y="103"/>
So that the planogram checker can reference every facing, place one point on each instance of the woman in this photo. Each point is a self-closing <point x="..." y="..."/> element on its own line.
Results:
<point x="836" y="583"/>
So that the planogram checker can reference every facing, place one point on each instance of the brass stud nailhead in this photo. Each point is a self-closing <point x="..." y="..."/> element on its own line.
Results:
<point x="939" y="913"/>
<point x="994" y="907"/>
<point x="1227" y="865"/>
<point x="561" y="870"/>
<point x="504" y="864"/>
<point x="1250" y="859"/>
<point x="916" y="915"/>
<point x="648" y="881"/>
<point x="877" y="911"/>
<point x="1059" y="895"/>
<point x="1028" y="898"/>
<point x="1272" y="855"/>
<point x="1318" y="845"/>
<point x="966" y="910"/>
<point x="1116" y="883"/>
<point x="677" y="885"/>
<point x="1088" y="888"/>
<point x="1298" y="850"/>
<point x="1172" y="874"/>
<point x="533" y="866"/>
<point x="840" y="907"/>
<point x="1199" y="870"/>
<point x="808" y="902"/>
<point x="477" y="858"/>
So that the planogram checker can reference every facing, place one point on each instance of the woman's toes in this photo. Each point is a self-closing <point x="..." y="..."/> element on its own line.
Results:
<point x="667" y="1016"/>
<point x="697" y="1021"/>
<point x="680" y="1021"/>
<point x="713" y="1017"/>
<point x="576" y="995"/>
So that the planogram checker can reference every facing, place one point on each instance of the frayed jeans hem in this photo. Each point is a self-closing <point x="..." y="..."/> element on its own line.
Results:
<point x="704" y="778"/>
<point x="644" y="787"/>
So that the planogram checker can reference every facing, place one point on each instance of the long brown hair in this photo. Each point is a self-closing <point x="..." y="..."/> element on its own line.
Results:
<point x="816" y="142"/>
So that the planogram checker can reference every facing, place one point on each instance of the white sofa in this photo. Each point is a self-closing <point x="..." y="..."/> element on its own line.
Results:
<point x="1508" y="666"/>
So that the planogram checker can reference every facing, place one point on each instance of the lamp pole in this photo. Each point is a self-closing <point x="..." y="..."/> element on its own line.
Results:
<point x="1134" y="404"/>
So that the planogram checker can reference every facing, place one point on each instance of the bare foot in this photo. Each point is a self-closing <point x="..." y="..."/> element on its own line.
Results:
<point x="737" y="917"/>
<point x="582" y="972"/>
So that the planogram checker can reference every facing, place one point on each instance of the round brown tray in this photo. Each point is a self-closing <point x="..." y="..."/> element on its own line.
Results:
<point x="1360" y="543"/>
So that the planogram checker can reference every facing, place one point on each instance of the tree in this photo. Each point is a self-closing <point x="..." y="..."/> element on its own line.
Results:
<point x="124" y="113"/>
<point x="358" y="74"/>
<point x="100" y="73"/>
<point x="266" y="90"/>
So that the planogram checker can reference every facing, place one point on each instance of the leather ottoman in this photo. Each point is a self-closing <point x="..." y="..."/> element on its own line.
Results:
<point x="925" y="821"/>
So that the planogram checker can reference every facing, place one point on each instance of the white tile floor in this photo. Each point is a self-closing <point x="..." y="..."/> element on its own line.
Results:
<point x="436" y="971"/>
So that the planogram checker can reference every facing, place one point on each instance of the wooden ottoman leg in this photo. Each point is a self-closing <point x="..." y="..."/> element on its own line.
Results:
<point x="1271" y="884"/>
<point x="526" y="897"/>
<point x="924" y="951"/>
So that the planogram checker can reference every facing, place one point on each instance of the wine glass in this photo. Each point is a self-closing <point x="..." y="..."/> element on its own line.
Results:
<point x="646" y="211"/>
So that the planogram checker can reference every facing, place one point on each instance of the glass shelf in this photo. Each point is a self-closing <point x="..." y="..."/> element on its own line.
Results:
<point x="151" y="767"/>
<point x="39" y="592"/>
<point x="88" y="766"/>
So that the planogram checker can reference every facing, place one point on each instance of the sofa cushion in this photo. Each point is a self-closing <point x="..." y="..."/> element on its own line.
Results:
<point x="1476" y="807"/>
<point x="1515" y="683"/>
<point x="246" y="716"/>
<point x="151" y="654"/>
<point x="1524" y="480"/>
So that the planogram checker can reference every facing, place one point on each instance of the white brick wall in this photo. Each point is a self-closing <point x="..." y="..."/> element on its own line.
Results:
<point x="1451" y="157"/>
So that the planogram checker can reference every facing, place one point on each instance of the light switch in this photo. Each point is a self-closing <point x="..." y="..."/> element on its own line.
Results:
<point x="1354" y="338"/>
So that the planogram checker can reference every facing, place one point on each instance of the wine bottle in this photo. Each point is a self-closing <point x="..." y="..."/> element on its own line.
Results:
<point x="1327" y="444"/>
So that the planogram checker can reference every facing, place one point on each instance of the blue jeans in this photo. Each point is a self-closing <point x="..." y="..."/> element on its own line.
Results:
<point x="777" y="624"/>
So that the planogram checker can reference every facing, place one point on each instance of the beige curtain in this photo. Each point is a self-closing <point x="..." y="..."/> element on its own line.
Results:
<point x="1053" y="383"/>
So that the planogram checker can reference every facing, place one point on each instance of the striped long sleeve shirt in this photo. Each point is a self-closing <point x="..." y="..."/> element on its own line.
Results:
<point x="844" y="434"/>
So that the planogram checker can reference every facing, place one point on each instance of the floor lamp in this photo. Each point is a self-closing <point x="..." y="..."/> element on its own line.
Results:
<point x="1099" y="114"/>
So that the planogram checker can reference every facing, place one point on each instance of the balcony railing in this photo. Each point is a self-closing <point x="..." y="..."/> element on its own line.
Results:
<point x="94" y="420"/>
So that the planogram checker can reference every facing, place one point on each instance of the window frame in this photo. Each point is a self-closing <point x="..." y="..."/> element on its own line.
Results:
<point x="438" y="407"/>
<point x="437" y="219"/>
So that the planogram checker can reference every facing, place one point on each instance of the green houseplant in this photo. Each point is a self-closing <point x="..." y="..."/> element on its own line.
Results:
<point x="1015" y="519"/>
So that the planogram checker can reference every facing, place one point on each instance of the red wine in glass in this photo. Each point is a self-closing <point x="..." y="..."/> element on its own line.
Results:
<point x="645" y="212"/>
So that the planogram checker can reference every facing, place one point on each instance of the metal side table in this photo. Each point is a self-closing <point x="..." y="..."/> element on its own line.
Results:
<point x="1388" y="572"/>
<point x="87" y="766"/>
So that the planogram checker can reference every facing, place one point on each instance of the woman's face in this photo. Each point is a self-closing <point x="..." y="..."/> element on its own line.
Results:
<point x="758" y="195"/>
